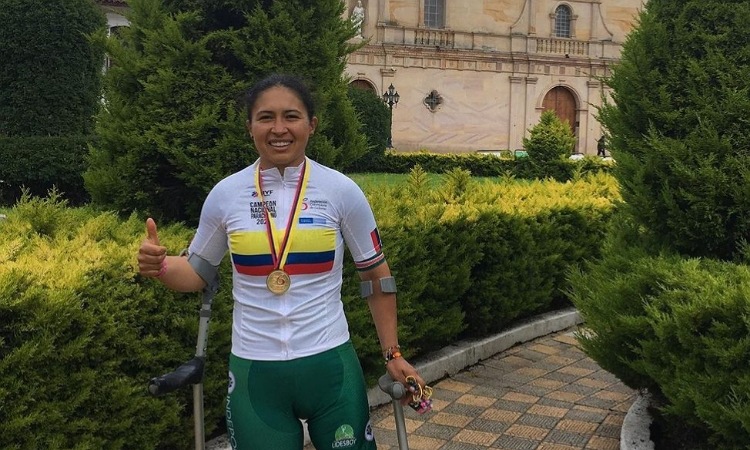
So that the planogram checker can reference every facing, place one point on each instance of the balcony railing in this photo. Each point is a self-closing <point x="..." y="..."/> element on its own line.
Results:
<point x="562" y="47"/>
<point x="432" y="37"/>
<point x="492" y="42"/>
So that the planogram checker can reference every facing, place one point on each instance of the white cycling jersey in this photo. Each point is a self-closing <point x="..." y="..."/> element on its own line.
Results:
<point x="309" y="317"/>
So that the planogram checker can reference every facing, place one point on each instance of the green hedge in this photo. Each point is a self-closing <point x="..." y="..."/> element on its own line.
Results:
<point x="82" y="333"/>
<point x="41" y="162"/>
<point x="488" y="165"/>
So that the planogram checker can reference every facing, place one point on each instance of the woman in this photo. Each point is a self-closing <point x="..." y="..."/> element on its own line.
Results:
<point x="285" y="220"/>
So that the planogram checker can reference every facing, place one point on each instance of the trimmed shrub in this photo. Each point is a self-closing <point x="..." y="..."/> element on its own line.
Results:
<point x="549" y="144"/>
<point x="82" y="334"/>
<point x="675" y="326"/>
<point x="50" y="78"/>
<point x="40" y="163"/>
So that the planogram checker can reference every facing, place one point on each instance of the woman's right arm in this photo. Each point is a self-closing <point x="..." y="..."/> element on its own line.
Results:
<point x="174" y="271"/>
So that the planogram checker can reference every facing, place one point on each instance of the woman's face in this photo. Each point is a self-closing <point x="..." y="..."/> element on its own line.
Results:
<point x="280" y="127"/>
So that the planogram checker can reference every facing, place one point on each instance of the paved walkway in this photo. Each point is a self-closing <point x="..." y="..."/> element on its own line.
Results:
<point x="543" y="394"/>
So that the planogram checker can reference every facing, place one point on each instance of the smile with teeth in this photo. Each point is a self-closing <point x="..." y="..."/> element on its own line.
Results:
<point x="280" y="143"/>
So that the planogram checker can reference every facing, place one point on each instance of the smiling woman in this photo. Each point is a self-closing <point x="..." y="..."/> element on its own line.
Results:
<point x="280" y="126"/>
<point x="285" y="221"/>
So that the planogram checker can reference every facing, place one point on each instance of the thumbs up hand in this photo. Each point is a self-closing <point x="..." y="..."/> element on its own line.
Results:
<point x="151" y="254"/>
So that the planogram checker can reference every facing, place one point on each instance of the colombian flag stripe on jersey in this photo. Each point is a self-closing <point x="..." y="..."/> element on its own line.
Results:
<point x="312" y="251"/>
<point x="369" y="263"/>
<point x="376" y="243"/>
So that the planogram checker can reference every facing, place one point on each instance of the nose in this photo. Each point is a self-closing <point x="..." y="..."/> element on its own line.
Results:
<point x="279" y="126"/>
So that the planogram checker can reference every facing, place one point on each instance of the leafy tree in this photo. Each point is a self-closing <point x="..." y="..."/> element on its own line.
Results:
<point x="678" y="125"/>
<point x="174" y="121"/>
<point x="50" y="76"/>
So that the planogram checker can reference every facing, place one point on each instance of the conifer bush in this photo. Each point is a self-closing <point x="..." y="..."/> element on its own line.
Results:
<point x="376" y="126"/>
<point x="678" y="125"/>
<point x="174" y="122"/>
<point x="666" y="305"/>
<point x="549" y="144"/>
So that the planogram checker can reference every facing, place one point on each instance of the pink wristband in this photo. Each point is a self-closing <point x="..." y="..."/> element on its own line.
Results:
<point x="163" y="269"/>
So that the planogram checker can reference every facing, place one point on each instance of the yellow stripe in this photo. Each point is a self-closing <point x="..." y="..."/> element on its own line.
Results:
<point x="249" y="243"/>
<point x="316" y="240"/>
<point x="308" y="241"/>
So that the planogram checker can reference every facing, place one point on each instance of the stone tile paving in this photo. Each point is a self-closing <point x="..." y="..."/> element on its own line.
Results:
<point x="544" y="394"/>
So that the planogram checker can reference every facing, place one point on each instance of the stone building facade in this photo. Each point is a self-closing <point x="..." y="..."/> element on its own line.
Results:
<point x="475" y="75"/>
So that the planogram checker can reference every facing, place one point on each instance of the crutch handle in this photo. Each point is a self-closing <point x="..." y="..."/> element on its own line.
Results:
<point x="396" y="391"/>
<point x="189" y="373"/>
<point x="393" y="388"/>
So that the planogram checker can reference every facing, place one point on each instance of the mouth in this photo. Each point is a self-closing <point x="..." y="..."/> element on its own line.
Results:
<point x="280" y="144"/>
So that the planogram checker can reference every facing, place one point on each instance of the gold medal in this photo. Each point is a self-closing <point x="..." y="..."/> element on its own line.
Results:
<point x="278" y="281"/>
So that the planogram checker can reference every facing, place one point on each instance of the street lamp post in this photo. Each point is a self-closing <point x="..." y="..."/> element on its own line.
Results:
<point x="390" y="97"/>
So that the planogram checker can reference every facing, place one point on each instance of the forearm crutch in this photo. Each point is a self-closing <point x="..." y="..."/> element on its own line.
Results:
<point x="192" y="371"/>
<point x="396" y="391"/>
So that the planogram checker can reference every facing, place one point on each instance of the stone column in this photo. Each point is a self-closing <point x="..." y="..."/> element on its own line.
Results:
<point x="516" y="112"/>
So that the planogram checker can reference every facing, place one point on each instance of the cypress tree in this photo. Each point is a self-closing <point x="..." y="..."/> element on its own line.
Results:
<point x="174" y="121"/>
<point x="678" y="125"/>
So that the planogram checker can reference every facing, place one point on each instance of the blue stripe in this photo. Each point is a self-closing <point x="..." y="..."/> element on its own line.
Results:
<point x="310" y="258"/>
<point x="252" y="260"/>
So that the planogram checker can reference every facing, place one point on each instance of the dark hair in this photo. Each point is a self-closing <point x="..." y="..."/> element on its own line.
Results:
<point x="292" y="82"/>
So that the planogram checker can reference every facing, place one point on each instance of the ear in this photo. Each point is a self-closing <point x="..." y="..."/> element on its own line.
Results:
<point x="313" y="124"/>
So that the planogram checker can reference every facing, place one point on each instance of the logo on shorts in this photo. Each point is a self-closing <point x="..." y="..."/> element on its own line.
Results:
<point x="344" y="437"/>
<point x="231" y="382"/>
<point x="369" y="436"/>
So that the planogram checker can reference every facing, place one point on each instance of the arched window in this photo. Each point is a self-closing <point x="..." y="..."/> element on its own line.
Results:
<point x="434" y="13"/>
<point x="563" y="17"/>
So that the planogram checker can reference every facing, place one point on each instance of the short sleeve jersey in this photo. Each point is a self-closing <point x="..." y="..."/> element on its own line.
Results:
<point x="309" y="317"/>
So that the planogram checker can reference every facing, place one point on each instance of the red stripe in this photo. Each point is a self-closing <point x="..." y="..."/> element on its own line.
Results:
<point x="375" y="239"/>
<point x="254" y="270"/>
<point x="308" y="269"/>
<point x="370" y="262"/>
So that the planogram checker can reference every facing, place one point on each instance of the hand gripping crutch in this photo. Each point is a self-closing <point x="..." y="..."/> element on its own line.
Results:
<point x="192" y="371"/>
<point x="396" y="391"/>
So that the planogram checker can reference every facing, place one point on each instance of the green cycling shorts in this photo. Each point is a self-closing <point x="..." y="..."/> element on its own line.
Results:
<point x="267" y="399"/>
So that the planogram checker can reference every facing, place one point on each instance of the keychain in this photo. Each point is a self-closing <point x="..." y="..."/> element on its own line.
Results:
<point x="421" y="401"/>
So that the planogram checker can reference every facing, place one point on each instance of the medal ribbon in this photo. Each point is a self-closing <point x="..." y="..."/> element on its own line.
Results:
<point x="280" y="250"/>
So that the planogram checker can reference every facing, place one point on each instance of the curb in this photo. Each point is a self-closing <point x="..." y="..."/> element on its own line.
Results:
<point x="455" y="358"/>
<point x="635" y="433"/>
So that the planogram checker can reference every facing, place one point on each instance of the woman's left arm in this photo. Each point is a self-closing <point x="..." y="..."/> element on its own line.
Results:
<point x="384" y="314"/>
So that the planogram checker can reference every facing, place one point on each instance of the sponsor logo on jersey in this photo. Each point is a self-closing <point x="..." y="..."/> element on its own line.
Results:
<point x="344" y="437"/>
<point x="316" y="204"/>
